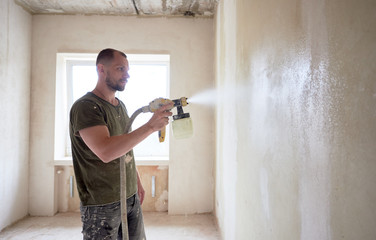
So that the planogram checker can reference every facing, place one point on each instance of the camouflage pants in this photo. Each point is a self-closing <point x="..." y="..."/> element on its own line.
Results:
<point x="104" y="221"/>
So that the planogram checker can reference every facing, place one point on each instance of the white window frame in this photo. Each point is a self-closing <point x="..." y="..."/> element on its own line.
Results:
<point x="62" y="106"/>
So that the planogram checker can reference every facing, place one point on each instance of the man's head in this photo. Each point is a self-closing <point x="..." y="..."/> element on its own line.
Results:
<point x="113" y="67"/>
<point x="107" y="55"/>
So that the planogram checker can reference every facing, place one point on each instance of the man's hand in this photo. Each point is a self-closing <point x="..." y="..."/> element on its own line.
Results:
<point x="160" y="117"/>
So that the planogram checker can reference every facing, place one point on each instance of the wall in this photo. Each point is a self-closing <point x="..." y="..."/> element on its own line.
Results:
<point x="296" y="143"/>
<point x="63" y="198"/>
<point x="15" y="51"/>
<point x="190" y="45"/>
<point x="159" y="203"/>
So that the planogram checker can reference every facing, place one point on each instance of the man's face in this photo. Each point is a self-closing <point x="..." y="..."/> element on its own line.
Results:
<point x="117" y="73"/>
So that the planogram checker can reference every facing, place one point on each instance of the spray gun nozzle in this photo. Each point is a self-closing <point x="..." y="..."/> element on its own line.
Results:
<point x="181" y="102"/>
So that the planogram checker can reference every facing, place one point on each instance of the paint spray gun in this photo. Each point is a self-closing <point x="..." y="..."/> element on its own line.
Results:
<point x="182" y="124"/>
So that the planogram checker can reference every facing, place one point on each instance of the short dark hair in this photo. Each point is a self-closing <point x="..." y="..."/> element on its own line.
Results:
<point x="106" y="55"/>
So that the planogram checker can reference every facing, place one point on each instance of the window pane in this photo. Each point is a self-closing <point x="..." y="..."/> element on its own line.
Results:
<point x="146" y="83"/>
<point x="84" y="79"/>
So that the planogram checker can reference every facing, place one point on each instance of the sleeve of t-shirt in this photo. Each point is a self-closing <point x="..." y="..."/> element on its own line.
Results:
<point x="86" y="114"/>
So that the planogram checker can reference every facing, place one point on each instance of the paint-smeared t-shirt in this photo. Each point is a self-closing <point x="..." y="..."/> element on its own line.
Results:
<point x="98" y="183"/>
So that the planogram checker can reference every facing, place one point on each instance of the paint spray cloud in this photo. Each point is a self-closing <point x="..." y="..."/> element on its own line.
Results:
<point x="217" y="96"/>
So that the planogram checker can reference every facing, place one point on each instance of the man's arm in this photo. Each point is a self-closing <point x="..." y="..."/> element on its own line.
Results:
<point x="108" y="148"/>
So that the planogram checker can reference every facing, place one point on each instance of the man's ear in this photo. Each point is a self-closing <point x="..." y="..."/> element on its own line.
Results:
<point x="100" y="68"/>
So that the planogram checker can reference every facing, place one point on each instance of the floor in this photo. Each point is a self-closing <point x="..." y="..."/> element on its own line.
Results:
<point x="157" y="226"/>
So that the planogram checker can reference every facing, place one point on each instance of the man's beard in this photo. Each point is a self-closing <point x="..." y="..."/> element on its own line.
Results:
<point x="114" y="84"/>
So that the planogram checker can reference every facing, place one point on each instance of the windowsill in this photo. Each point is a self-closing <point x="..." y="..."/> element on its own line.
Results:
<point x="63" y="161"/>
<point x="152" y="161"/>
<point x="140" y="161"/>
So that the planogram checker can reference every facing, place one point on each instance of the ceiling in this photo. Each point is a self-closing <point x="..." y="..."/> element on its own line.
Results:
<point x="183" y="8"/>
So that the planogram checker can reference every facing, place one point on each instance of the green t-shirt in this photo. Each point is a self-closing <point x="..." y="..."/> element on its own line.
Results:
<point x="98" y="183"/>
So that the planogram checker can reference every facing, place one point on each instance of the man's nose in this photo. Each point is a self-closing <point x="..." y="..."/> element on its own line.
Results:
<point x="126" y="75"/>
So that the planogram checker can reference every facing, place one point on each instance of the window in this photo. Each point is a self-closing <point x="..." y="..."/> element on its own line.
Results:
<point x="76" y="75"/>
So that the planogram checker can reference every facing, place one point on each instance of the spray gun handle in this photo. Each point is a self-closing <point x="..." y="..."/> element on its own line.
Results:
<point x="153" y="106"/>
<point x="162" y="134"/>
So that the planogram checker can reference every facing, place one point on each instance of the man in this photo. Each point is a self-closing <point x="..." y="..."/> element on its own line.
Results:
<point x="99" y="141"/>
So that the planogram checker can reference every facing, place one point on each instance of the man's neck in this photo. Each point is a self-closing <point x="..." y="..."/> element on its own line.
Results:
<point x="106" y="95"/>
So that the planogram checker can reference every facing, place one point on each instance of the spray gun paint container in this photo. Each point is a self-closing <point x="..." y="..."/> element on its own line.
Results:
<point x="182" y="127"/>
<point x="182" y="124"/>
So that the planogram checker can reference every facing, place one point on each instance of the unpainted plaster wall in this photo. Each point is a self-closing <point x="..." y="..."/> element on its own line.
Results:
<point x="190" y="45"/>
<point x="296" y="126"/>
<point x="15" y="52"/>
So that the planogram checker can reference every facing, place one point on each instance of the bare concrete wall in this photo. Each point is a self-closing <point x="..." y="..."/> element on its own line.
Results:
<point x="15" y="51"/>
<point x="296" y="142"/>
<point x="190" y="45"/>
